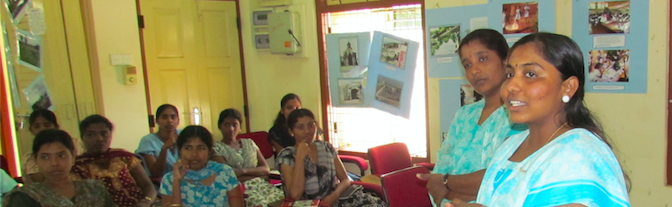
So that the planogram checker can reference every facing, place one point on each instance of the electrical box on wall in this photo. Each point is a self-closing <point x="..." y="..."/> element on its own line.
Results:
<point x="284" y="32"/>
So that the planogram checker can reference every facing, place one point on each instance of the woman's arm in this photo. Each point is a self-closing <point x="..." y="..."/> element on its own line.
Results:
<point x="260" y="170"/>
<point x="342" y="186"/>
<point x="276" y="147"/>
<point x="235" y="197"/>
<point x="143" y="182"/>
<point x="294" y="178"/>
<point x="156" y="165"/>
<point x="467" y="184"/>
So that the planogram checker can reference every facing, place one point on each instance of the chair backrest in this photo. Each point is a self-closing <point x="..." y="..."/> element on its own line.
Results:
<point x="3" y="164"/>
<point x="402" y="188"/>
<point x="261" y="139"/>
<point x="390" y="157"/>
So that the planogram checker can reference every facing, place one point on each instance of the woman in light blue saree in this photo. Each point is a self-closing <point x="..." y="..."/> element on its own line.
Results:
<point x="564" y="158"/>
<point x="477" y="129"/>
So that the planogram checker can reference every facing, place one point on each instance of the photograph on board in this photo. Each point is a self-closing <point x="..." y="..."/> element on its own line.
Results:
<point x="444" y="40"/>
<point x="609" y="66"/>
<point x="37" y="94"/>
<point x="394" y="52"/>
<point x="609" y="17"/>
<point x="520" y="18"/>
<point x="351" y="90"/>
<point x="18" y="9"/>
<point x="389" y="90"/>
<point x="468" y="95"/>
<point x="348" y="52"/>
<point x="30" y="50"/>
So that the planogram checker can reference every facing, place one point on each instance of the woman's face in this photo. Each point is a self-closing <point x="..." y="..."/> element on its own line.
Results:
<point x="482" y="67"/>
<point x="533" y="89"/>
<point x="168" y="120"/>
<point x="97" y="138"/>
<point x="40" y="124"/>
<point x="54" y="160"/>
<point x="290" y="106"/>
<point x="195" y="152"/>
<point x="305" y="129"/>
<point x="230" y="127"/>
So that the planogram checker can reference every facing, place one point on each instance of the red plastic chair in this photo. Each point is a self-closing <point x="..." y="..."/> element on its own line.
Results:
<point x="391" y="157"/>
<point x="260" y="138"/>
<point x="402" y="188"/>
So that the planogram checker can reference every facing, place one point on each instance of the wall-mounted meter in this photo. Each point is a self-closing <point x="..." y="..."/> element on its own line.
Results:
<point x="284" y="32"/>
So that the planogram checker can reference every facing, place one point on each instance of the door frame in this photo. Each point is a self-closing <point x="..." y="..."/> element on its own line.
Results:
<point x="150" y="110"/>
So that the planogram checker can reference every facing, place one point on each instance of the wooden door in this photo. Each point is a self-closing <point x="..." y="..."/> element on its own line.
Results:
<point x="53" y="71"/>
<point x="192" y="57"/>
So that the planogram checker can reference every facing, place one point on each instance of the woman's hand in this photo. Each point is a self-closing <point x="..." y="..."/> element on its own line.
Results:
<point x="180" y="169"/>
<point x="329" y="200"/>
<point x="302" y="150"/>
<point x="171" y="141"/>
<point x="435" y="186"/>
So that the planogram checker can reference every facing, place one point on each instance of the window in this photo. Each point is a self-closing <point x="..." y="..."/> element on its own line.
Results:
<point x="358" y="129"/>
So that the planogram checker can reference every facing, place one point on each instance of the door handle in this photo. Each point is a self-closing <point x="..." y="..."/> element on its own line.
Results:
<point x="196" y="116"/>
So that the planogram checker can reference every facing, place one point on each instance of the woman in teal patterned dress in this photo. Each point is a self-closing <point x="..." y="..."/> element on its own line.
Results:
<point x="247" y="162"/>
<point x="53" y="151"/>
<point x="477" y="129"/>
<point x="197" y="181"/>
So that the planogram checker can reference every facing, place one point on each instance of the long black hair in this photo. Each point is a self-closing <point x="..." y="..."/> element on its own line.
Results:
<point x="280" y="119"/>
<point x="94" y="119"/>
<point x="565" y="55"/>
<point x="163" y="108"/>
<point x="296" y="114"/>
<point x="44" y="113"/>
<point x="194" y="131"/>
<point x="229" y="113"/>
<point x="491" y="39"/>
<point x="49" y="136"/>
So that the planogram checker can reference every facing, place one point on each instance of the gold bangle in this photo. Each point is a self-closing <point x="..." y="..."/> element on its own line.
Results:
<point x="175" y="204"/>
<point x="148" y="198"/>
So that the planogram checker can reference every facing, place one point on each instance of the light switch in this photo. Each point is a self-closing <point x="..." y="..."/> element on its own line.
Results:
<point x="121" y="59"/>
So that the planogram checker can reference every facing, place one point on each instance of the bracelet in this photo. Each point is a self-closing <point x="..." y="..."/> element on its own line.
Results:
<point x="175" y="204"/>
<point x="445" y="181"/>
<point x="147" y="198"/>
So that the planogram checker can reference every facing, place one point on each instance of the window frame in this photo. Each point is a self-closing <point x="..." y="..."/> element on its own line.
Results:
<point x="321" y="7"/>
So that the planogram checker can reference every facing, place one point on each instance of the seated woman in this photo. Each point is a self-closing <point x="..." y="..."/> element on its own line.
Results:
<point x="196" y="181"/>
<point x="310" y="169"/>
<point x="39" y="120"/>
<point x="564" y="159"/>
<point x="244" y="157"/>
<point x="477" y="129"/>
<point x="279" y="135"/>
<point x="120" y="170"/>
<point x="158" y="149"/>
<point x="53" y="151"/>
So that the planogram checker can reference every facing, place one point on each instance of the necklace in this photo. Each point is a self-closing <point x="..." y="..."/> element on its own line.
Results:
<point x="527" y="145"/>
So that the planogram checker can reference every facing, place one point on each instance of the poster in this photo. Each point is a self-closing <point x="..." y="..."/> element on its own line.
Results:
<point x="348" y="59"/>
<point x="609" y="34"/>
<point x="391" y="73"/>
<point x="37" y="94"/>
<point x="30" y="50"/>
<point x="18" y="9"/>
<point x="444" y="40"/>
<point x="513" y="18"/>
<point x="451" y="99"/>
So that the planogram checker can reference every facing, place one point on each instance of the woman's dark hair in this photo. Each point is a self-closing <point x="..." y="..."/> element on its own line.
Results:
<point x="296" y="114"/>
<point x="94" y="119"/>
<point x="229" y="113"/>
<point x="491" y="39"/>
<point x="163" y="108"/>
<point x="44" y="113"/>
<point x="195" y="131"/>
<point x="565" y="55"/>
<point x="49" y="136"/>
<point x="280" y="119"/>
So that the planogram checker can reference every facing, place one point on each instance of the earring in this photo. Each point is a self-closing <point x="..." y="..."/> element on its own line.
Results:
<point x="565" y="99"/>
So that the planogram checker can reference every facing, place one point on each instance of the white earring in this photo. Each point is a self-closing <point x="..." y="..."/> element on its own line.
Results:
<point x="565" y="98"/>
